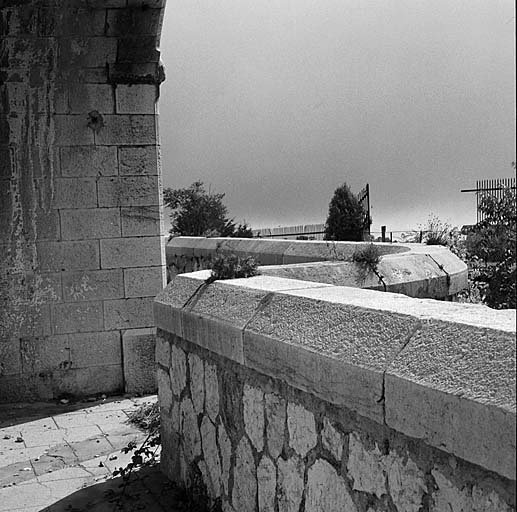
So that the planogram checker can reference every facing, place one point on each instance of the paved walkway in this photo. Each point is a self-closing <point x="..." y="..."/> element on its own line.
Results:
<point x="57" y="457"/>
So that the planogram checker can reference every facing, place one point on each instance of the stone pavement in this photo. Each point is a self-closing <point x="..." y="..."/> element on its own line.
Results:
<point x="57" y="457"/>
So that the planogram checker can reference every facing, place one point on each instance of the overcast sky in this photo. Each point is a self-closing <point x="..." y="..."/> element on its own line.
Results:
<point x="278" y="102"/>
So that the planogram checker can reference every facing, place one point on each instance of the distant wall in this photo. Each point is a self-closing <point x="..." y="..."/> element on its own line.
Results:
<point x="412" y="269"/>
<point x="280" y="394"/>
<point x="81" y="255"/>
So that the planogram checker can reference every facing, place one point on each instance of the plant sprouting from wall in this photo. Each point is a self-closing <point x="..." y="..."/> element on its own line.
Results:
<point x="232" y="267"/>
<point x="367" y="257"/>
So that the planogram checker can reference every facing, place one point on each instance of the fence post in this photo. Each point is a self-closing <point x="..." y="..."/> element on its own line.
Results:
<point x="391" y="236"/>
<point x="421" y="236"/>
<point x="383" y="233"/>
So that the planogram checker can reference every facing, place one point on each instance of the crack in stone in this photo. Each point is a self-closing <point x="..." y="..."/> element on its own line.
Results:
<point x="442" y="268"/>
<point x="382" y="400"/>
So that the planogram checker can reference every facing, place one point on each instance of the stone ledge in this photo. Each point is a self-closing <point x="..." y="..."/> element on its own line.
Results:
<point x="415" y="270"/>
<point x="418" y="365"/>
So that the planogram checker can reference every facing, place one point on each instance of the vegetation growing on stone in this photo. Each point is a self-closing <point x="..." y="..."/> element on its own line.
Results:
<point x="367" y="256"/>
<point x="232" y="267"/>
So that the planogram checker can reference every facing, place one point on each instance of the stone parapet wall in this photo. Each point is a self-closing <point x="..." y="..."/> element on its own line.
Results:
<point x="280" y="394"/>
<point x="81" y="250"/>
<point x="412" y="269"/>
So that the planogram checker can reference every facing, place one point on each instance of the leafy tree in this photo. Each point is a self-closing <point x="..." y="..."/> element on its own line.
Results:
<point x="345" y="220"/>
<point x="493" y="240"/>
<point x="196" y="212"/>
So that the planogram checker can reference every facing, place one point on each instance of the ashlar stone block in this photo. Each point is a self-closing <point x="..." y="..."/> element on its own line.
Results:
<point x="92" y="285"/>
<point x="83" y="161"/>
<point x="143" y="282"/>
<point x="302" y="428"/>
<point x="136" y="98"/>
<point x="139" y="160"/>
<point x="253" y="401"/>
<point x="127" y="130"/>
<point x="129" y="191"/>
<point x="74" y="193"/>
<point x="128" y="313"/>
<point x="79" y="224"/>
<point x="139" y="366"/>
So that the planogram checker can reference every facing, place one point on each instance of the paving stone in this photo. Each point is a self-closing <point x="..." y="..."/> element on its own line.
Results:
<point x="85" y="450"/>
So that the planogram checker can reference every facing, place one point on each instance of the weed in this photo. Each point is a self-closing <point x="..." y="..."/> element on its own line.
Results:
<point x="232" y="267"/>
<point x="368" y="257"/>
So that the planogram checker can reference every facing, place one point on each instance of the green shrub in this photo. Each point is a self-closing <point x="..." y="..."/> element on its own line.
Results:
<point x="368" y="257"/>
<point x="232" y="267"/>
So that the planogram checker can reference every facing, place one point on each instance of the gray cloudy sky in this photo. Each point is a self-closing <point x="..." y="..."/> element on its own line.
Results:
<point x="277" y="102"/>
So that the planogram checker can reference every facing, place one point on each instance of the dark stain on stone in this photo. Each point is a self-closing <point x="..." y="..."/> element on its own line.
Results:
<point x="95" y="121"/>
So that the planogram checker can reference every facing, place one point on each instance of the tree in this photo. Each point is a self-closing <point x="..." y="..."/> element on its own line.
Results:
<point x="493" y="240"/>
<point x="345" y="220"/>
<point x="196" y="212"/>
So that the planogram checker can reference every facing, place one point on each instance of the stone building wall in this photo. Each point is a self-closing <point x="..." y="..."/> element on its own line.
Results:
<point x="81" y="253"/>
<point x="282" y="395"/>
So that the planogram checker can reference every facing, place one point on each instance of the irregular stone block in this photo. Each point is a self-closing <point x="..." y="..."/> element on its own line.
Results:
<point x="190" y="437"/>
<point x="302" y="429"/>
<point x="326" y="490"/>
<point x="275" y="423"/>
<point x="332" y="440"/>
<point x="178" y="370"/>
<point x="197" y="382"/>
<point x="164" y="390"/>
<point x="211" y="456"/>
<point x="211" y="392"/>
<point x="290" y="484"/>
<point x="163" y="352"/>
<point x="266" y="478"/>
<point x="225" y="454"/>
<point x="253" y="401"/>
<point x="244" y="493"/>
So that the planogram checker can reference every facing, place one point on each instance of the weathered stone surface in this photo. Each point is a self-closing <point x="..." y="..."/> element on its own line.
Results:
<point x="275" y="423"/>
<point x="136" y="98"/>
<point x="332" y="439"/>
<point x="75" y="193"/>
<point x="163" y="352"/>
<point x="266" y="478"/>
<point x="290" y="484"/>
<point x="448" y="498"/>
<point x="326" y="490"/>
<point x="143" y="282"/>
<point x="89" y="161"/>
<point x="178" y="371"/>
<point x="365" y="467"/>
<point x="92" y="285"/>
<point x="129" y="191"/>
<point x="77" y="317"/>
<point x="141" y="220"/>
<point x="225" y="453"/>
<point x="211" y="391"/>
<point x="128" y="313"/>
<point x="253" y="401"/>
<point x="197" y="382"/>
<point x="244" y="492"/>
<point x="138" y="160"/>
<point x="211" y="456"/>
<point x="139" y="366"/>
<point x="164" y="390"/>
<point x="302" y="428"/>
<point x="191" y="439"/>
<point x="406" y="482"/>
<point x="142" y="251"/>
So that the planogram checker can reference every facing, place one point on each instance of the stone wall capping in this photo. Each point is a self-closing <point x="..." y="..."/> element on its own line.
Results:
<point x="437" y="371"/>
